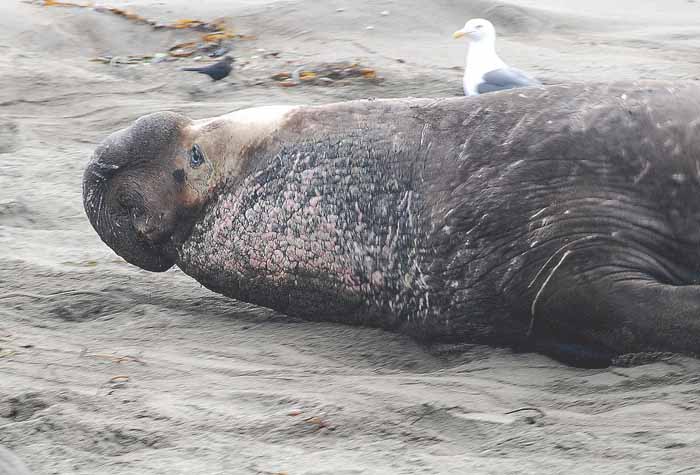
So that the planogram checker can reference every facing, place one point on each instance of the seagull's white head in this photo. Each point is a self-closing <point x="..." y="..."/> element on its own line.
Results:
<point x="477" y="29"/>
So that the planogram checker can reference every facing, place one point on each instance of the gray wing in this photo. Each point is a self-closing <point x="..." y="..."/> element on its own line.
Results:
<point x="505" y="78"/>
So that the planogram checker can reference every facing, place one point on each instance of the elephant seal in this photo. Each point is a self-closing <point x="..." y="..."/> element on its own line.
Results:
<point x="563" y="218"/>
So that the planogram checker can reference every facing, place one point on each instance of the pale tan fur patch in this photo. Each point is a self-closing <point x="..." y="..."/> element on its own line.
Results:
<point x="225" y="137"/>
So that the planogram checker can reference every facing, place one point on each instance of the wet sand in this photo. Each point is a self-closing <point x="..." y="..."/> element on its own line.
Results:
<point x="108" y="369"/>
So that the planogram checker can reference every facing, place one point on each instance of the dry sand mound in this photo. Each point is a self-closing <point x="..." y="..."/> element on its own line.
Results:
<point x="106" y="369"/>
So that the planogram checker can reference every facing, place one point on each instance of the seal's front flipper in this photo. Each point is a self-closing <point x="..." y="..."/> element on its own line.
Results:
<point x="618" y="308"/>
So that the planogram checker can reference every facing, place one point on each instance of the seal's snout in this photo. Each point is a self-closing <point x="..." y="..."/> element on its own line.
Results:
<point x="128" y="201"/>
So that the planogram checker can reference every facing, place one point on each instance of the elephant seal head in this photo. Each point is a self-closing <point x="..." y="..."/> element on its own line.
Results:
<point x="146" y="185"/>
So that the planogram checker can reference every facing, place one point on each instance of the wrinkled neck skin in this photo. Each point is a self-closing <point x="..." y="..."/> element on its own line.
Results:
<point x="481" y="58"/>
<point x="323" y="229"/>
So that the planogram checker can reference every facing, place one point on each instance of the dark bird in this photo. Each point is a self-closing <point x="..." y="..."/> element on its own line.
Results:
<point x="216" y="71"/>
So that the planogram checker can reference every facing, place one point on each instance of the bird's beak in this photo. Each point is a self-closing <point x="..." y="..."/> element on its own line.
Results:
<point x="458" y="34"/>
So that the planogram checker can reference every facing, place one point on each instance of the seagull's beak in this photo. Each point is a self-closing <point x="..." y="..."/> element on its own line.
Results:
<point x="458" y="34"/>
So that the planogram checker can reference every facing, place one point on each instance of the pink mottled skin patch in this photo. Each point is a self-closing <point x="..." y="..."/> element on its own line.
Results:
<point x="305" y="229"/>
<point x="377" y="278"/>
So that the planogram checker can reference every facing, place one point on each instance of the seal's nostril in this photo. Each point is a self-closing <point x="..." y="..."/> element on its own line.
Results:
<point x="131" y="204"/>
<point x="179" y="176"/>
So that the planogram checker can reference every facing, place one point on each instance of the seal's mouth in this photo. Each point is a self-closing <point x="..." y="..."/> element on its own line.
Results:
<point x="152" y="257"/>
<point x="127" y="230"/>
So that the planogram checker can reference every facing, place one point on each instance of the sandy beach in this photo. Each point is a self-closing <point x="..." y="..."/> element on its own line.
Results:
<point x="109" y="369"/>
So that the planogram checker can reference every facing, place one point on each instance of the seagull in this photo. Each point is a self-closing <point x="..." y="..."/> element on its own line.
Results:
<point x="485" y="71"/>
<point x="216" y="71"/>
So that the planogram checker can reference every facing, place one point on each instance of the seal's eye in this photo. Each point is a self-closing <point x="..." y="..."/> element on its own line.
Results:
<point x="196" y="156"/>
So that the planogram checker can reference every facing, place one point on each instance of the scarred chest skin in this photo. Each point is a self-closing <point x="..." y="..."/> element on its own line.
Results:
<point x="329" y="228"/>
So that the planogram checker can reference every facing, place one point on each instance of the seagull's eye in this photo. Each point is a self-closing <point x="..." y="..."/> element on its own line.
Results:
<point x="478" y="27"/>
<point x="196" y="156"/>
